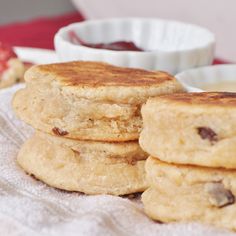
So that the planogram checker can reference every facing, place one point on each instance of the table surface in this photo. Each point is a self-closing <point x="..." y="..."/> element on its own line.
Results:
<point x="39" y="33"/>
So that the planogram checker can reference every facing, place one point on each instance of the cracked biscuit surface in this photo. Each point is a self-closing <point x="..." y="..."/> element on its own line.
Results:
<point x="89" y="100"/>
<point x="191" y="128"/>
<point x="189" y="193"/>
<point x="88" y="167"/>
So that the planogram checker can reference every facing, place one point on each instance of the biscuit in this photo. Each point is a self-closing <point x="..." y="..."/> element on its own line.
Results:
<point x="88" y="167"/>
<point x="191" y="128"/>
<point x="13" y="74"/>
<point x="189" y="193"/>
<point x="89" y="100"/>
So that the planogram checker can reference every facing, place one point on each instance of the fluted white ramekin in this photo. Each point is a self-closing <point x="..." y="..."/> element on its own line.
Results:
<point x="194" y="80"/>
<point x="169" y="45"/>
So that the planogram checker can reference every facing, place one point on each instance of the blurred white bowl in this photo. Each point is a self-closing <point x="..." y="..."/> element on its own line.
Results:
<point x="168" y="45"/>
<point x="214" y="78"/>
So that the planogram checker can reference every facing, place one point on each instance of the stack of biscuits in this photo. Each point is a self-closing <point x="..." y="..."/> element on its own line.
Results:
<point x="191" y="139"/>
<point x="87" y="120"/>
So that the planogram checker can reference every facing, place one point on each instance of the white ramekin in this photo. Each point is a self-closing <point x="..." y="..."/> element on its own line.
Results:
<point x="169" y="45"/>
<point x="194" y="80"/>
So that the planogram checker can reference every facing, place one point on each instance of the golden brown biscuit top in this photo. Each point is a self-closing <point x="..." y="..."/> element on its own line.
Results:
<point x="96" y="74"/>
<point x="203" y="98"/>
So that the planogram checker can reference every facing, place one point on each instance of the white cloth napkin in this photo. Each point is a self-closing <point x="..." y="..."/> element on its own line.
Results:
<point x="29" y="207"/>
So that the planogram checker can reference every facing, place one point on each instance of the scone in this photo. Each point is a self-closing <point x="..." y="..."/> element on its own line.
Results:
<point x="191" y="128"/>
<point x="88" y="167"/>
<point x="14" y="73"/>
<point x="189" y="193"/>
<point x="89" y="100"/>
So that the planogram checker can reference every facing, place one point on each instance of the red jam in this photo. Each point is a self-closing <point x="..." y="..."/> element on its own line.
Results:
<point x="6" y="53"/>
<point x="116" y="46"/>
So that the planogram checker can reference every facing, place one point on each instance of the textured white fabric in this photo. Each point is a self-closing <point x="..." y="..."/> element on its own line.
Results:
<point x="29" y="207"/>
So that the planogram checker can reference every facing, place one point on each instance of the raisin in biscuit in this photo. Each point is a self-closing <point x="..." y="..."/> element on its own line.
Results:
<point x="89" y="167"/>
<point x="189" y="193"/>
<point x="89" y="100"/>
<point x="191" y="128"/>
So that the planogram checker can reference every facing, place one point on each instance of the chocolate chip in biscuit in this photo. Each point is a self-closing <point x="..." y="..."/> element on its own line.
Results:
<point x="207" y="133"/>
<point x="219" y="196"/>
